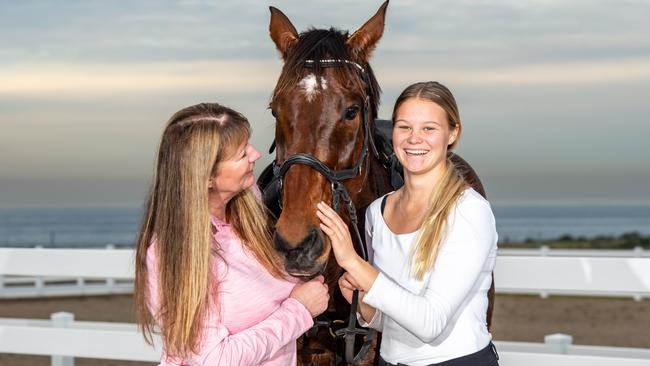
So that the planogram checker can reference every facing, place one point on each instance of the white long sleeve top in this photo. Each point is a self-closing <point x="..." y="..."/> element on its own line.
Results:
<point x="442" y="316"/>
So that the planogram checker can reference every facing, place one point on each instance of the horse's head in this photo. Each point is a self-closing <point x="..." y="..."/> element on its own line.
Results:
<point x="324" y="92"/>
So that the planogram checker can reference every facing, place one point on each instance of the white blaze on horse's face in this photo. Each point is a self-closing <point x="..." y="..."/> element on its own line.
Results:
<point x="310" y="86"/>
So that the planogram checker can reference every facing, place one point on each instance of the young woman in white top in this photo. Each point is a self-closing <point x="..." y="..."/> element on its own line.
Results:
<point x="433" y="243"/>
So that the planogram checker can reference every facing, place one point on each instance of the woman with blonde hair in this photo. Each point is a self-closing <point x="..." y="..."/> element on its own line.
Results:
<point x="207" y="278"/>
<point x="434" y="243"/>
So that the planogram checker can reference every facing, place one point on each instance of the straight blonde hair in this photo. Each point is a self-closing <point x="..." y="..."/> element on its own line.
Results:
<point x="177" y="218"/>
<point x="444" y="197"/>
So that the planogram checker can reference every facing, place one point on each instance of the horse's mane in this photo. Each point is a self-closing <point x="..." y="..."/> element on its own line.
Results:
<point x="322" y="44"/>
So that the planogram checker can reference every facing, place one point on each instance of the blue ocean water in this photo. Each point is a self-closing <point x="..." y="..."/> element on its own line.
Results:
<point x="96" y="227"/>
<point x="548" y="221"/>
<point x="69" y="227"/>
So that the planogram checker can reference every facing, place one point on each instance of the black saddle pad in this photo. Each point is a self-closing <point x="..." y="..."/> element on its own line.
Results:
<point x="384" y="127"/>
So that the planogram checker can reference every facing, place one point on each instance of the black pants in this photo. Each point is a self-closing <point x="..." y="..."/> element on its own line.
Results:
<point x="488" y="356"/>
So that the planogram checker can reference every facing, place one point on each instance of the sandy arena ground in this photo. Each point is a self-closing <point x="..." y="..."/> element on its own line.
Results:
<point x="591" y="321"/>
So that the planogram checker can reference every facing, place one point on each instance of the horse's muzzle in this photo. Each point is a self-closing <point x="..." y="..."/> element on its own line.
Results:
<point x="304" y="260"/>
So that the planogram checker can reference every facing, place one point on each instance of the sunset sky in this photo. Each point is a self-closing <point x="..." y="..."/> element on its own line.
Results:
<point x="553" y="94"/>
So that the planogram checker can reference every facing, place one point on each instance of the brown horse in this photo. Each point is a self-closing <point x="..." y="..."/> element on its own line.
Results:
<point x="325" y="104"/>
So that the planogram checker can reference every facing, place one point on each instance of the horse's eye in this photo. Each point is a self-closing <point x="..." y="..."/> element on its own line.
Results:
<point x="274" y="114"/>
<point x="351" y="112"/>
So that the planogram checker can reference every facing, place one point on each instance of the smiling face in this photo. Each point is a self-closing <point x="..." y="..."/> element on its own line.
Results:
<point x="235" y="173"/>
<point x="421" y="136"/>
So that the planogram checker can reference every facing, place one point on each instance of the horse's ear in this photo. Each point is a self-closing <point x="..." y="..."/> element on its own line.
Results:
<point x="283" y="33"/>
<point x="364" y="40"/>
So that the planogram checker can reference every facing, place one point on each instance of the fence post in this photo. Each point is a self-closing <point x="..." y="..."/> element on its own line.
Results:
<point x="638" y="251"/>
<point x="544" y="251"/>
<point x="110" y="282"/>
<point x="62" y="319"/>
<point x="39" y="282"/>
<point x="558" y="342"/>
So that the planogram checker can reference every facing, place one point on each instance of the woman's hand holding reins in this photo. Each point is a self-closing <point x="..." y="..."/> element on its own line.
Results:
<point x="313" y="294"/>
<point x="347" y="284"/>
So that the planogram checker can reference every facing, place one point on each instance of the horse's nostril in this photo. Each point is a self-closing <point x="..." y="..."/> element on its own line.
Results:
<point x="313" y="235"/>
<point x="301" y="260"/>
<point x="315" y="244"/>
<point x="280" y="244"/>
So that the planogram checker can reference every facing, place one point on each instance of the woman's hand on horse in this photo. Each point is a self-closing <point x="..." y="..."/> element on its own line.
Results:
<point x="362" y="273"/>
<point x="337" y="230"/>
<point x="312" y="294"/>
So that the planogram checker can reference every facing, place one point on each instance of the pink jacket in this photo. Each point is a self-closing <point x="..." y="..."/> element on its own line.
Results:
<point x="256" y="322"/>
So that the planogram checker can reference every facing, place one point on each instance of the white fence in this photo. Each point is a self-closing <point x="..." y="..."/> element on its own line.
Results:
<point x="64" y="338"/>
<point x="42" y="272"/>
<point x="19" y="287"/>
<point x="544" y="251"/>
<point x="611" y="273"/>
<point x="623" y="273"/>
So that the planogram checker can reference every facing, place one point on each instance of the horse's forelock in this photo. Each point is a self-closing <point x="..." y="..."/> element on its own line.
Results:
<point x="322" y="44"/>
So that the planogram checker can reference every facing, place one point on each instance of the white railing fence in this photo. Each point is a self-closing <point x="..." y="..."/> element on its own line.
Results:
<point x="571" y="275"/>
<point x="63" y="338"/>
<point x="611" y="273"/>
<point x="21" y="287"/>
<point x="543" y="251"/>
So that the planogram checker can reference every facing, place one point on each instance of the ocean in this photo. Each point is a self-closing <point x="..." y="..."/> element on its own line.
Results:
<point x="69" y="227"/>
<point x="519" y="222"/>
<point x="97" y="227"/>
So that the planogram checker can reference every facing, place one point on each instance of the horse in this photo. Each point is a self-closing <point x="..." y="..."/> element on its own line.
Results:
<point x="328" y="148"/>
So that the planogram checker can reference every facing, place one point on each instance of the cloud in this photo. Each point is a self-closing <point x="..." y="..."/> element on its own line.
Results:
<point x="260" y="74"/>
<point x="109" y="79"/>
<point x="552" y="73"/>
<point x="571" y="78"/>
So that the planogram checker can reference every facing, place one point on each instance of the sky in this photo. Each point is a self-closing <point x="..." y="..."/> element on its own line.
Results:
<point x="552" y="94"/>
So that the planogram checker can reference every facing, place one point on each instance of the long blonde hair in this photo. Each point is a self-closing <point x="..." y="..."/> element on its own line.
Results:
<point x="444" y="197"/>
<point x="177" y="218"/>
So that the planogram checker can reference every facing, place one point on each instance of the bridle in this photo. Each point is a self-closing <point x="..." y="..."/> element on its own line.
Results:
<point x="333" y="176"/>
<point x="339" y="193"/>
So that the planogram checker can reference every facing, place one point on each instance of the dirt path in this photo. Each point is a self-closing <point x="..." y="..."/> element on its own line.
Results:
<point x="591" y="321"/>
